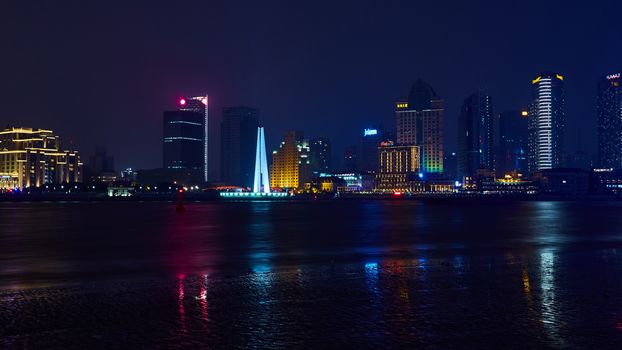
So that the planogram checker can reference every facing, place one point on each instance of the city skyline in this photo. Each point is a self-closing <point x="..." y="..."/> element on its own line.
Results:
<point x="278" y="75"/>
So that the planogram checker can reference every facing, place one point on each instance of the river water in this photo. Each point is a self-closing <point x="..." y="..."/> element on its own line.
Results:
<point x="324" y="274"/>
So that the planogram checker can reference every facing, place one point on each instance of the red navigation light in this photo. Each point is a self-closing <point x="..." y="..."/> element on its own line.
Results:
<point x="182" y="101"/>
<point x="181" y="190"/>
<point x="397" y="194"/>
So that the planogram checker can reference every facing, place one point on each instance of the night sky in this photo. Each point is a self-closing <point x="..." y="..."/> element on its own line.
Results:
<point x="102" y="73"/>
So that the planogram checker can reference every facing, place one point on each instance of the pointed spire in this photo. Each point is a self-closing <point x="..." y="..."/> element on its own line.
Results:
<point x="261" y="182"/>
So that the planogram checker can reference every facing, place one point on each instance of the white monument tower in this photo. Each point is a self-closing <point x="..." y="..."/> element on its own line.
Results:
<point x="261" y="183"/>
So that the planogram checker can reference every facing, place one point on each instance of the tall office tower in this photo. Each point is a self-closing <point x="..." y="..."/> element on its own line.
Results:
<point x="35" y="157"/>
<point x="261" y="182"/>
<point x="512" y="156"/>
<point x="184" y="139"/>
<point x="609" y="110"/>
<point x="546" y="122"/>
<point x="200" y="104"/>
<point x="368" y="148"/>
<point x="320" y="154"/>
<point x="475" y="135"/>
<point x="305" y="168"/>
<point x="238" y="142"/>
<point x="420" y="122"/>
<point x="284" y="168"/>
<point x="350" y="159"/>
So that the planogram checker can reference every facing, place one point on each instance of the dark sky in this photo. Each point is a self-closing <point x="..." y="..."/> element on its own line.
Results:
<point x="102" y="73"/>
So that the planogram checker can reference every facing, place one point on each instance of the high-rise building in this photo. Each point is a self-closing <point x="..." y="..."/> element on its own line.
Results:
<point x="284" y="168"/>
<point x="184" y="141"/>
<point x="35" y="157"/>
<point x="546" y="122"/>
<point x="398" y="169"/>
<point x="350" y="159"/>
<point x="200" y="104"/>
<point x="291" y="163"/>
<point x="305" y="168"/>
<point x="238" y="142"/>
<point x="261" y="180"/>
<point x="512" y="154"/>
<point x="320" y="154"/>
<point x="420" y="122"/>
<point x="368" y="148"/>
<point x="475" y="135"/>
<point x="609" y="113"/>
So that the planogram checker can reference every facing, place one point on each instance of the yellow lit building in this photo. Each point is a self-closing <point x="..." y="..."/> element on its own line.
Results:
<point x="398" y="169"/>
<point x="30" y="157"/>
<point x="284" y="171"/>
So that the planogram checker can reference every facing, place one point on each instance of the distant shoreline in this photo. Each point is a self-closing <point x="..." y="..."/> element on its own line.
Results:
<point x="214" y="197"/>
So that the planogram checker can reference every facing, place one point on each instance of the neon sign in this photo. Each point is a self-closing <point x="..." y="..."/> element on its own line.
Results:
<point x="370" y="132"/>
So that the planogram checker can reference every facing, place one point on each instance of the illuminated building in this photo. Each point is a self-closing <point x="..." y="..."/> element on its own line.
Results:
<point x="261" y="182"/>
<point x="320" y="154"/>
<point x="609" y="113"/>
<point x="184" y="140"/>
<point x="238" y="145"/>
<point x="353" y="182"/>
<point x="507" y="185"/>
<point x="607" y="181"/>
<point x="546" y="122"/>
<point x="200" y="104"/>
<point x="399" y="169"/>
<point x="305" y="168"/>
<point x="512" y="156"/>
<point x="420" y="123"/>
<point x="285" y="166"/>
<point x="34" y="157"/>
<point x="475" y="135"/>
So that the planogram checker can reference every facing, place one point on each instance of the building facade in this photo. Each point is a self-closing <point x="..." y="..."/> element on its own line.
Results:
<point x="320" y="154"/>
<point x="609" y="119"/>
<point x="238" y="142"/>
<point x="284" y="168"/>
<point x="399" y="169"/>
<point x="420" y="123"/>
<point x="183" y="142"/>
<point x="200" y="104"/>
<point x="475" y="135"/>
<point x="512" y="154"/>
<point x="368" y="148"/>
<point x="546" y="123"/>
<point x="35" y="157"/>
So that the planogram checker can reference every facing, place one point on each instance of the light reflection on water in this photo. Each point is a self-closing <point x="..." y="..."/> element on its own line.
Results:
<point x="255" y="275"/>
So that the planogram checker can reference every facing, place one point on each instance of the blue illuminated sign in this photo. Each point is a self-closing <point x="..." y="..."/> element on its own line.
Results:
<point x="369" y="132"/>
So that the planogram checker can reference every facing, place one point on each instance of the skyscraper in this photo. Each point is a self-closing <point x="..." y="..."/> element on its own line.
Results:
<point x="420" y="122"/>
<point x="238" y="145"/>
<point x="261" y="181"/>
<point x="512" y="156"/>
<point x="475" y="135"/>
<point x="183" y="141"/>
<point x="609" y="113"/>
<point x="200" y="104"/>
<point x="285" y="167"/>
<point x="320" y="154"/>
<point x="546" y="122"/>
